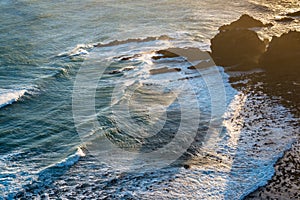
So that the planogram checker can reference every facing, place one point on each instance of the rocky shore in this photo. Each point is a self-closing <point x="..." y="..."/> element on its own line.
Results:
<point x="240" y="50"/>
<point x="237" y="47"/>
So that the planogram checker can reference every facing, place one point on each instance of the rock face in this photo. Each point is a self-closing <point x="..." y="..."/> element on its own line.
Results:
<point x="285" y="19"/>
<point x="282" y="64"/>
<point x="283" y="54"/>
<point x="294" y="14"/>
<point x="239" y="47"/>
<point x="191" y="54"/>
<point x="244" y="22"/>
<point x="236" y="45"/>
<point x="198" y="58"/>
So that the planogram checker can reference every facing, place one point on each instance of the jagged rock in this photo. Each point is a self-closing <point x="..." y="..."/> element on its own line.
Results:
<point x="236" y="45"/>
<point x="285" y="19"/>
<point x="130" y="57"/>
<point x="237" y="48"/>
<point x="191" y="53"/>
<point x="283" y="54"/>
<point x="244" y="22"/>
<point x="118" y="71"/>
<point x="294" y="14"/>
<point x="198" y="58"/>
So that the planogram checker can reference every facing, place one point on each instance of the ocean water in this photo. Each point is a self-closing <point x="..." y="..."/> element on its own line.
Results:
<point x="46" y="151"/>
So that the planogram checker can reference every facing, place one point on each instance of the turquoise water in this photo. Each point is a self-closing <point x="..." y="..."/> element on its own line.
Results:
<point x="44" y="44"/>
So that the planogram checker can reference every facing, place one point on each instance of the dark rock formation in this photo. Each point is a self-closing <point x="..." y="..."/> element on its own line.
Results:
<point x="191" y="54"/>
<point x="236" y="45"/>
<point x="282" y="64"/>
<point x="285" y="19"/>
<point x="237" y="48"/>
<point x="130" y="57"/>
<point x="244" y="22"/>
<point x="283" y="54"/>
<point x="281" y="60"/>
<point x="118" y="71"/>
<point x="294" y="14"/>
<point x="202" y="59"/>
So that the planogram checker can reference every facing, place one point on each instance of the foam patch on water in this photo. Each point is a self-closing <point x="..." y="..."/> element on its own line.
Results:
<point x="257" y="130"/>
<point x="9" y="96"/>
<point x="16" y="92"/>
<point x="260" y="132"/>
<point x="79" y="50"/>
<point x="17" y="180"/>
<point x="228" y="165"/>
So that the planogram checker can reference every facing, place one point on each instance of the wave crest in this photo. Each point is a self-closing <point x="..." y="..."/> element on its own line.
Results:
<point x="9" y="96"/>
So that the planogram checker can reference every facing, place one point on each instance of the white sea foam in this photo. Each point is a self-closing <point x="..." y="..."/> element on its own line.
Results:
<point x="80" y="49"/>
<point x="15" y="178"/>
<point x="72" y="159"/>
<point x="68" y="161"/>
<point x="9" y="96"/>
<point x="257" y="130"/>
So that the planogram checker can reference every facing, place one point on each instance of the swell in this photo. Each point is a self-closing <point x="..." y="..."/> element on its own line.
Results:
<point x="10" y="96"/>
<point x="83" y="49"/>
<point x="37" y="182"/>
<point x="77" y="55"/>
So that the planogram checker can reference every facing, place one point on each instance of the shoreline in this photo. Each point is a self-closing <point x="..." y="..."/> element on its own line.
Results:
<point x="285" y="182"/>
<point x="279" y="60"/>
